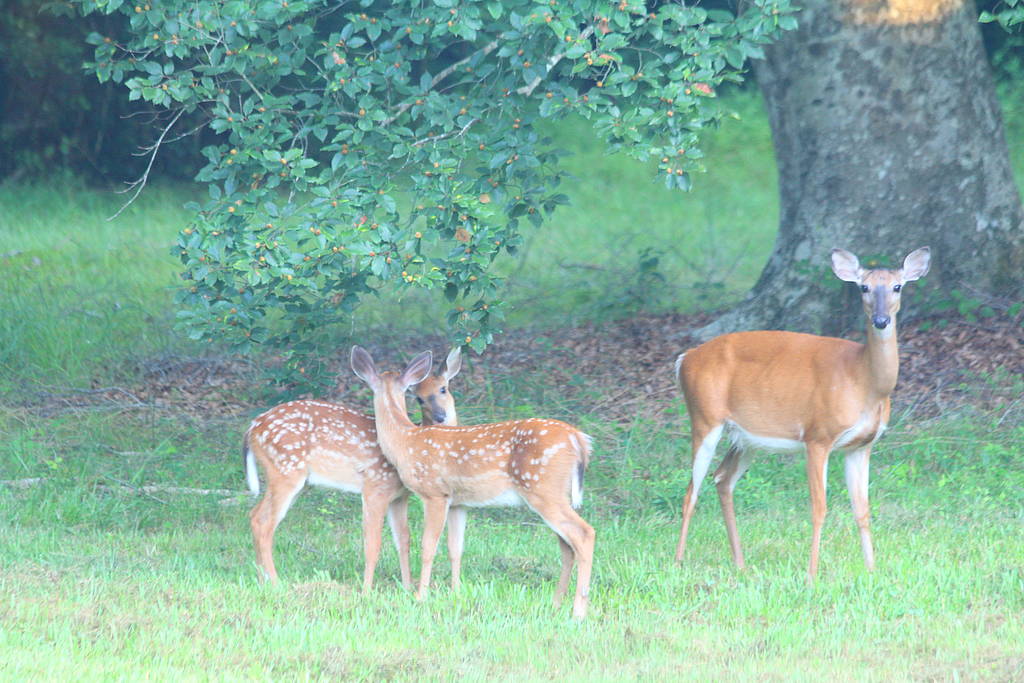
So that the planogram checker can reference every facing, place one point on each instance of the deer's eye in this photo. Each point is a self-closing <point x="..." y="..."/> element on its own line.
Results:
<point x="443" y="390"/>
<point x="897" y="288"/>
<point x="419" y="400"/>
<point x="864" y="288"/>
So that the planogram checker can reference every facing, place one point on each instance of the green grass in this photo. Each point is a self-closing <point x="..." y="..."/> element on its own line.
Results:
<point x="81" y="296"/>
<point x="921" y="617"/>
<point x="99" y="582"/>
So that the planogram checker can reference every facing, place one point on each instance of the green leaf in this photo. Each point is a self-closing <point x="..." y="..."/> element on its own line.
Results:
<point x="293" y="87"/>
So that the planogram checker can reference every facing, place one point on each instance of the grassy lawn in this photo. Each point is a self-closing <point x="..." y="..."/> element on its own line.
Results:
<point x="83" y="297"/>
<point x="101" y="581"/>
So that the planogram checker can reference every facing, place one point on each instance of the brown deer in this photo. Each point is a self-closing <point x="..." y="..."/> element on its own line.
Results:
<point x="533" y="461"/>
<point x="328" y="444"/>
<point x="784" y="390"/>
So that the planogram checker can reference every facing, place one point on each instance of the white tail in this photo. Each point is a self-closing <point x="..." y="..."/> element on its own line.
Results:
<point x="328" y="444"/>
<point x="783" y="390"/>
<point x="534" y="461"/>
<point x="581" y="442"/>
<point x="252" y="479"/>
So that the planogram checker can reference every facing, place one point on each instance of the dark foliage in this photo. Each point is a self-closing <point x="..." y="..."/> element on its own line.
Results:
<point x="54" y="116"/>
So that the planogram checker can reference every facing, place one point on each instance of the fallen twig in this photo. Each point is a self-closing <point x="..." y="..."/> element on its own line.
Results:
<point x="21" y="483"/>
<point x="124" y="486"/>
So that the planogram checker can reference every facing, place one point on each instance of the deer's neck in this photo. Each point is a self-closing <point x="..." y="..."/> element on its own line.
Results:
<point x="881" y="360"/>
<point x="393" y="425"/>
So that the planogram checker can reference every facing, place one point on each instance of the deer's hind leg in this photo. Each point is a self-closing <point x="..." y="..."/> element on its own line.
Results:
<point x="734" y="465"/>
<point x="705" y="439"/>
<point x="576" y="539"/>
<point x="267" y="514"/>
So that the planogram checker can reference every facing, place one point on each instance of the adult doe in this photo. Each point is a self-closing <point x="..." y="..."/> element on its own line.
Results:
<point x="784" y="390"/>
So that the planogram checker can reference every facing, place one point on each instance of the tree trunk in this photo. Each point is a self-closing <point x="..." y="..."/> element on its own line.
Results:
<point x="888" y="137"/>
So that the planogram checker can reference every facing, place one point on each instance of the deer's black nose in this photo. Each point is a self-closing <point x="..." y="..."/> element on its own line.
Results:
<point x="881" y="321"/>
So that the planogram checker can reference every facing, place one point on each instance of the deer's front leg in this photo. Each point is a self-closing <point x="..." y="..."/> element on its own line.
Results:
<point x="435" y="512"/>
<point x="374" y="509"/>
<point x="456" y="540"/>
<point x="817" y="476"/>
<point x="857" y="463"/>
<point x="398" y="520"/>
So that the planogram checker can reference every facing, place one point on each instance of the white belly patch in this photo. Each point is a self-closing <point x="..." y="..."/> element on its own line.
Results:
<point x="744" y="439"/>
<point x="507" y="498"/>
<point x="346" y="486"/>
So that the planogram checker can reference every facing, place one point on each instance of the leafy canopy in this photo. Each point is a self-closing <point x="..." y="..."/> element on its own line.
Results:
<point x="1008" y="13"/>
<point x="369" y="144"/>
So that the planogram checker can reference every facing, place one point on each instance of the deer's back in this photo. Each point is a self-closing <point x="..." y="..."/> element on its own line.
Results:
<point x="482" y="464"/>
<point x="336" y="445"/>
<point x="774" y="384"/>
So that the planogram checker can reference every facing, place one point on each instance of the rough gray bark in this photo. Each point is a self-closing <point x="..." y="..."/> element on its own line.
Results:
<point x="888" y="137"/>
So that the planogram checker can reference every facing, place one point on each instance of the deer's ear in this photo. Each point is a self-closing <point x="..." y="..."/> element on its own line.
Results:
<point x="916" y="264"/>
<point x="417" y="370"/>
<point x="453" y="363"/>
<point x="363" y="365"/>
<point x="846" y="266"/>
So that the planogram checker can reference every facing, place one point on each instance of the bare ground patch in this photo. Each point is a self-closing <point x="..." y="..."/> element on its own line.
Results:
<point x="615" y="371"/>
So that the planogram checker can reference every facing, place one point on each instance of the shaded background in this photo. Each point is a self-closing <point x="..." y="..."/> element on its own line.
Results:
<point x="56" y="117"/>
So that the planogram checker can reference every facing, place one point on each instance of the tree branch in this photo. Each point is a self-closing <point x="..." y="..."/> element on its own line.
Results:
<point x="141" y="182"/>
<point x="443" y="74"/>
<point x="527" y="90"/>
<point x="443" y="136"/>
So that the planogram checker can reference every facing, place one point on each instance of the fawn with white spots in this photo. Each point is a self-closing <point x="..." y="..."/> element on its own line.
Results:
<point x="787" y="391"/>
<point x="534" y="461"/>
<point x="328" y="444"/>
